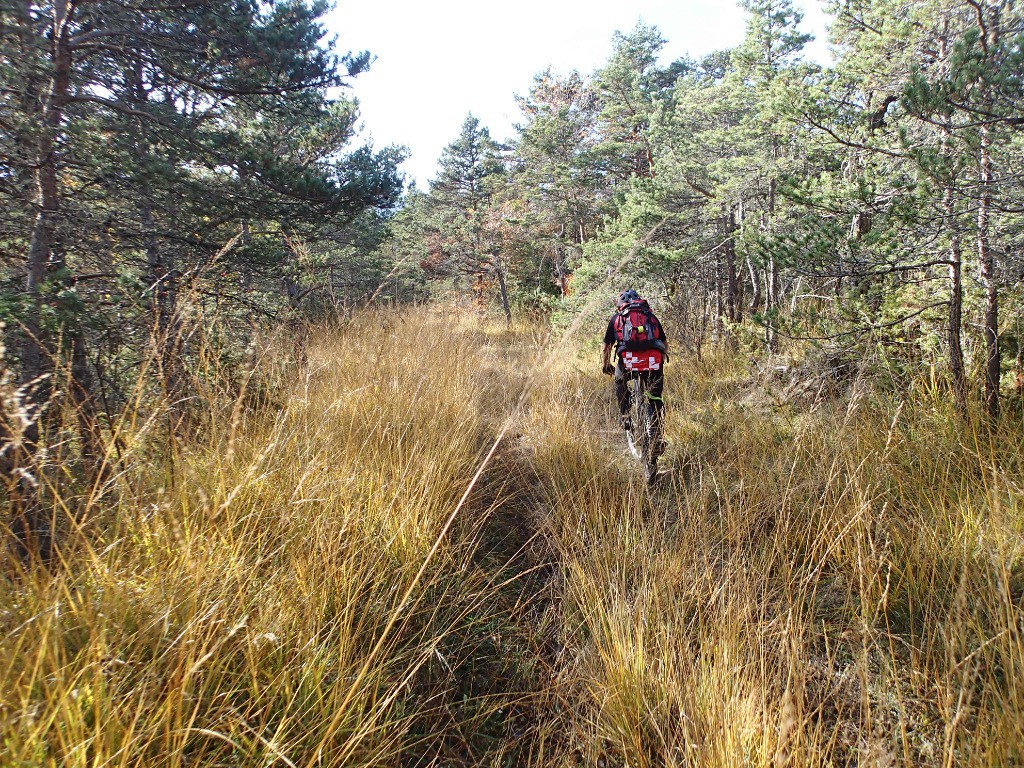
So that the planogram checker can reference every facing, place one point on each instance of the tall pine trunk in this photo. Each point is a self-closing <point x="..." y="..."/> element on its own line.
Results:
<point x="719" y="299"/>
<point x="43" y="261"/>
<point x="43" y="258"/>
<point x="733" y="308"/>
<point x="559" y="261"/>
<point x="955" y="322"/>
<point x="499" y="271"/>
<point x="163" y="286"/>
<point x="986" y="259"/>
<point x="159" y="261"/>
<point x="772" y="286"/>
<point x="756" y="297"/>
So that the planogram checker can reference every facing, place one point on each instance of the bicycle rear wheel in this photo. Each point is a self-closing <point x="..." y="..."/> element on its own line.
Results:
<point x="642" y="434"/>
<point x="649" y="454"/>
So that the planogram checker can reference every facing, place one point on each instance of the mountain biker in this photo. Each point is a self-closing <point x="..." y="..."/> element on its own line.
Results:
<point x="634" y="330"/>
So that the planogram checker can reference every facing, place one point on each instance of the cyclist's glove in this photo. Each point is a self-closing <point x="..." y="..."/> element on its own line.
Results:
<point x="608" y="369"/>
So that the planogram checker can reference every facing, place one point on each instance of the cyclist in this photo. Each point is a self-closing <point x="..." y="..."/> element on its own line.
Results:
<point x="638" y="339"/>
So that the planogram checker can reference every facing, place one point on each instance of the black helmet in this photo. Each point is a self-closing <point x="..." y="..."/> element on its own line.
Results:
<point x="628" y="295"/>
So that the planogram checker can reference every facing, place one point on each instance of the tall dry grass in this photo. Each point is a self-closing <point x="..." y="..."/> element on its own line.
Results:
<point x="290" y="586"/>
<point x="835" y="586"/>
<point x="307" y="582"/>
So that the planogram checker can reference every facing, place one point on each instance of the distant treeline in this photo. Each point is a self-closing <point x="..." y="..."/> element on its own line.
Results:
<point x="761" y="197"/>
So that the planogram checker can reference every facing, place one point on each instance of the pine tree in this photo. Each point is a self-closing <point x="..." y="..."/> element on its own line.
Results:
<point x="557" y="166"/>
<point x="628" y="87"/>
<point x="470" y="168"/>
<point x="142" y="141"/>
<point x="763" y="64"/>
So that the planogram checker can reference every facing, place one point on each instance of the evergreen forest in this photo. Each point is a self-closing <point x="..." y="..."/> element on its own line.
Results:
<point x="305" y="465"/>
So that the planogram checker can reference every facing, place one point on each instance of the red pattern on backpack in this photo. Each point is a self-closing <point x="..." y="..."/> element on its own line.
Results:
<point x="636" y="327"/>
<point x="649" y="360"/>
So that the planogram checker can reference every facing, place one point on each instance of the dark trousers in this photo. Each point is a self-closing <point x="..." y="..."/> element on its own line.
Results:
<point x="655" y="381"/>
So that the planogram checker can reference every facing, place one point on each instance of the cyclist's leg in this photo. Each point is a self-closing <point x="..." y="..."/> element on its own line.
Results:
<point x="622" y="393"/>
<point x="656" y="388"/>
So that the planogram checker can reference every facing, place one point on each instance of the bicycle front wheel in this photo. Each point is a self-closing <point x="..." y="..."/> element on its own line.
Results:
<point x="649" y="425"/>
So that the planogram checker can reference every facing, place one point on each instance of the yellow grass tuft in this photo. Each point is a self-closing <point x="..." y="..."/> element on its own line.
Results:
<point x="303" y="582"/>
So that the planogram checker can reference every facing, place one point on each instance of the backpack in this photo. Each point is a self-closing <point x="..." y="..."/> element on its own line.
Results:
<point x="638" y="330"/>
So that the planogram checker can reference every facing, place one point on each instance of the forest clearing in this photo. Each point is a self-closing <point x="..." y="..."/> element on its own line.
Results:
<point x="304" y="582"/>
<point x="310" y="458"/>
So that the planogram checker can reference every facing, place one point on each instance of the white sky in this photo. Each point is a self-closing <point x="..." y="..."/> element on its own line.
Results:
<point x="438" y="60"/>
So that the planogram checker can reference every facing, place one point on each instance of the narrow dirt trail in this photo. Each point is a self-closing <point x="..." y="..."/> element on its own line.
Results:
<point x="561" y="446"/>
<point x="566" y="495"/>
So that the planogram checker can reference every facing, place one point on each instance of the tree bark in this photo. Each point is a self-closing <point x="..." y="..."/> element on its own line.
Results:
<point x="500" y="272"/>
<point x="43" y="260"/>
<point x="559" y="261"/>
<point x="986" y="258"/>
<point x="163" y="283"/>
<point x="84" y="399"/>
<point x="955" y="323"/>
<point x="733" y="307"/>
<point x="773" y="271"/>
<point x="160" y="263"/>
<point x="756" y="295"/>
<point x="43" y="257"/>
<point x="719" y="298"/>
<point x="756" y="299"/>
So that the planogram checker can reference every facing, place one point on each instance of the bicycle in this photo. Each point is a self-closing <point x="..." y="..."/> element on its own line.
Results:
<point x="644" y="434"/>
